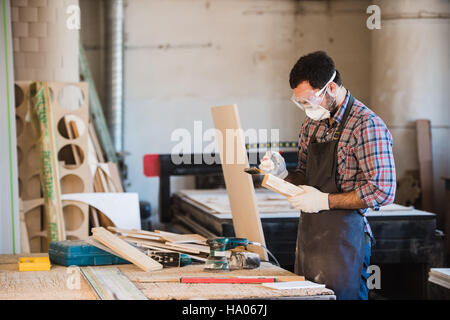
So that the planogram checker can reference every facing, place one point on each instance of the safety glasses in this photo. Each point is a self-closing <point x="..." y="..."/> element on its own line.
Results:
<point x="315" y="100"/>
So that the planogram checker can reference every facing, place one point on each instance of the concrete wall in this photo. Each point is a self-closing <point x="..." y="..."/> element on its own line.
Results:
<point x="409" y="72"/>
<point x="184" y="56"/>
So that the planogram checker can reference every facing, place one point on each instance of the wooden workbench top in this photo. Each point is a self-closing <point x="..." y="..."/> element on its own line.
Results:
<point x="56" y="283"/>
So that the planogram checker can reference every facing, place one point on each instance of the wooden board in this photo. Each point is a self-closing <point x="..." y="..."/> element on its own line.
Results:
<point x="280" y="186"/>
<point x="125" y="250"/>
<point x="181" y="238"/>
<point x="53" y="284"/>
<point x="110" y="284"/>
<point x="175" y="290"/>
<point x="9" y="183"/>
<point x="96" y="110"/>
<point x="147" y="243"/>
<point x="75" y="176"/>
<point x="138" y="231"/>
<point x="76" y="218"/>
<point x="239" y="185"/>
<point x="200" y="248"/>
<point x="60" y="283"/>
<point x="42" y="118"/>
<point x="425" y="156"/>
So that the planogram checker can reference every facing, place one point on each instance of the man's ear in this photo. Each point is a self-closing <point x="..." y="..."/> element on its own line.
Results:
<point x="332" y="87"/>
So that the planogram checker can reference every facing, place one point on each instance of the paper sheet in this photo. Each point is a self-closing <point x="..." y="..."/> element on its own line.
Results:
<point x="293" y="285"/>
<point x="121" y="208"/>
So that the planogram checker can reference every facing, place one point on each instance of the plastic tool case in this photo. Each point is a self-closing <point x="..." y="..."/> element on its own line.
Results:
<point x="80" y="253"/>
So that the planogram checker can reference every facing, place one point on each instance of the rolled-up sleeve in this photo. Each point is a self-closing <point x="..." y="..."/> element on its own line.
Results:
<point x="376" y="160"/>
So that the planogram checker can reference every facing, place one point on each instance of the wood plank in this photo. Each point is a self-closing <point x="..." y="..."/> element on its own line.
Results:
<point x="173" y="290"/>
<point x="140" y="236"/>
<point x="144" y="243"/>
<point x="42" y="118"/>
<point x="110" y="284"/>
<point x="194" y="225"/>
<point x="96" y="110"/>
<point x="115" y="176"/>
<point x="203" y="249"/>
<point x="125" y="250"/>
<point x="181" y="238"/>
<point x="280" y="186"/>
<point x="94" y="216"/>
<point x="59" y="283"/>
<point x="24" y="241"/>
<point x="137" y="231"/>
<point x="425" y="155"/>
<point x="95" y="143"/>
<point x="239" y="185"/>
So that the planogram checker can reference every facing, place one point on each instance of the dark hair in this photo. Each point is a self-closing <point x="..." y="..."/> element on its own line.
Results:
<point x="316" y="68"/>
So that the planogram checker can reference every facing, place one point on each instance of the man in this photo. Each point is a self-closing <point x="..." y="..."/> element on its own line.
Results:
<point x="345" y="166"/>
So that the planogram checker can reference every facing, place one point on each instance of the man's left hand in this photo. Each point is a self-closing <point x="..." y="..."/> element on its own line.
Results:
<point x="311" y="200"/>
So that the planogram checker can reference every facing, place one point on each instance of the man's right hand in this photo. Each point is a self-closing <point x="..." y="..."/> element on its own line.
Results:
<point x="274" y="163"/>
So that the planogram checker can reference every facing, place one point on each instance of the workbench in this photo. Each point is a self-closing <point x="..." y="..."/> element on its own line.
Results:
<point x="53" y="284"/>
<point x="407" y="240"/>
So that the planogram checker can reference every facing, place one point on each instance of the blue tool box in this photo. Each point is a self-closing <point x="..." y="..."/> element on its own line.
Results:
<point x="80" y="253"/>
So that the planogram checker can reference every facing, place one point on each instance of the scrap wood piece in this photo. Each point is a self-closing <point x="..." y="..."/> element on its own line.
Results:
<point x="425" y="155"/>
<point x="96" y="110"/>
<point x="95" y="143"/>
<point x="125" y="250"/>
<point x="94" y="216"/>
<point x="134" y="231"/>
<point x="115" y="176"/>
<point x="110" y="284"/>
<point x="239" y="185"/>
<point x="141" y="242"/>
<point x="203" y="249"/>
<point x="181" y="238"/>
<point x="193" y="225"/>
<point x="43" y="124"/>
<point x="140" y="236"/>
<point x="280" y="186"/>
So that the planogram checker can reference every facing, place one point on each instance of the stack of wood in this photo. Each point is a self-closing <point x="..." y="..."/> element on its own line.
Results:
<point x="193" y="245"/>
<point x="105" y="177"/>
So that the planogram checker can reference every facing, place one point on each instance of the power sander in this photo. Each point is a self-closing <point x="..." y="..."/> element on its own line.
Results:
<point x="218" y="257"/>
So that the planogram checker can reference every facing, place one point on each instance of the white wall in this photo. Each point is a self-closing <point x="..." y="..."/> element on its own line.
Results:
<point x="410" y="64"/>
<point x="184" y="56"/>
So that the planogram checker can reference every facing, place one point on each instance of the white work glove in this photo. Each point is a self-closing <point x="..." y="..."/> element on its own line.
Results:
<point x="273" y="163"/>
<point x="311" y="200"/>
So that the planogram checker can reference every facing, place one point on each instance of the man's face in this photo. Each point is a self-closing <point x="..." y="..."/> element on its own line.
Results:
<point x="304" y="92"/>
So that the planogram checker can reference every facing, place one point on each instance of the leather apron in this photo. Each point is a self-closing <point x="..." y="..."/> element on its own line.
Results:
<point x="330" y="243"/>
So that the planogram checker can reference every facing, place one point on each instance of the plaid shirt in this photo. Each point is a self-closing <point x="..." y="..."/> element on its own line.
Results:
<point x="365" y="161"/>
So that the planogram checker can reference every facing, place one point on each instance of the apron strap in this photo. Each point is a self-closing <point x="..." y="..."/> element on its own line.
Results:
<point x="337" y="134"/>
